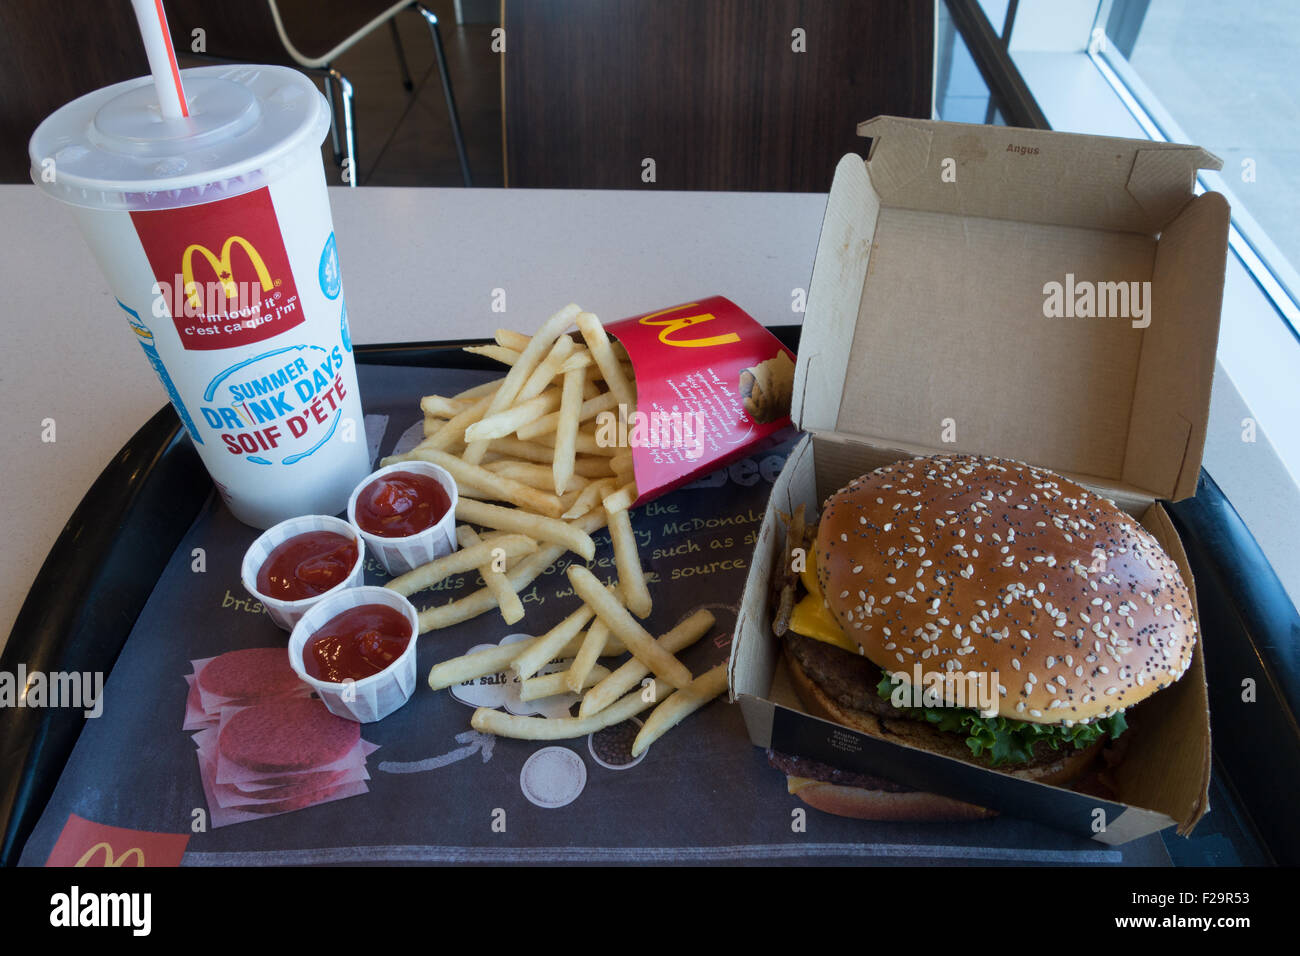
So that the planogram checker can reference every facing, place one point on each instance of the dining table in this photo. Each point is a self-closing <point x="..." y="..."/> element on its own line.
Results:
<point x="423" y="266"/>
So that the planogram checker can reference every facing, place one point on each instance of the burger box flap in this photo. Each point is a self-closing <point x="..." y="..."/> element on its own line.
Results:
<point x="954" y="308"/>
<point x="936" y="264"/>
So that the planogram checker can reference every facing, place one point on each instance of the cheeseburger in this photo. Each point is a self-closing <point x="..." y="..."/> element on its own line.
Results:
<point x="980" y="608"/>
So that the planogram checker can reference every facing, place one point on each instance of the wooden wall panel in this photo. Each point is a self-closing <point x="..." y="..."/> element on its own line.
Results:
<point x="710" y="89"/>
<point x="53" y="51"/>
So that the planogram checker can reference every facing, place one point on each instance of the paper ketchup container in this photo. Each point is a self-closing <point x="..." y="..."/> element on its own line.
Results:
<point x="401" y="554"/>
<point x="287" y="613"/>
<point x="214" y="233"/>
<point x="369" y="698"/>
<point x="711" y="384"/>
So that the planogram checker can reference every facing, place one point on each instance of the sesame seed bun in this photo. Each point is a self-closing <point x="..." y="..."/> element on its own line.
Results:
<point x="970" y="565"/>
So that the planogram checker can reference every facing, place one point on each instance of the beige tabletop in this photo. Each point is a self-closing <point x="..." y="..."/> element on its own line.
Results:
<point x="418" y="264"/>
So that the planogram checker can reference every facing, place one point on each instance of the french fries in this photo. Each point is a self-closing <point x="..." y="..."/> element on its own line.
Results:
<point x="621" y="465"/>
<point x="686" y="701"/>
<point x="451" y="433"/>
<point x="531" y="356"/>
<point x="504" y="422"/>
<point x="633" y="635"/>
<point x="590" y="497"/>
<point x="631" y="578"/>
<point x="548" y="685"/>
<point x="478" y="391"/>
<point x="497" y="353"/>
<point x="506" y="489"/>
<point x="494" y="660"/>
<point x="438" y="407"/>
<point x="529" y="465"/>
<point x="610" y="697"/>
<point x="547" y="369"/>
<point x="537" y="526"/>
<point x="489" y="721"/>
<point x="566" y="430"/>
<point x="519" y="576"/>
<point x="494" y="578"/>
<point x="633" y="672"/>
<point x="598" y="342"/>
<point x="591" y="407"/>
<point x="593" y="645"/>
<point x="458" y="562"/>
<point x="512" y="340"/>
<point x="526" y="464"/>
<point x="622" y="499"/>
<point x="532" y="660"/>
<point x="532" y="473"/>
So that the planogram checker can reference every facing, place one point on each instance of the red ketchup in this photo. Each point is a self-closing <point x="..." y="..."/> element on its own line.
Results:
<point x="307" y="565"/>
<point x="357" y="643"/>
<point x="401" y="503"/>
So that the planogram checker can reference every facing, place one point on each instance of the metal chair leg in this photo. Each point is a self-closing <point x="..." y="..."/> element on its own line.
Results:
<point x="431" y="18"/>
<point x="334" y="126"/>
<point x="407" y="83"/>
<point x="349" y="133"/>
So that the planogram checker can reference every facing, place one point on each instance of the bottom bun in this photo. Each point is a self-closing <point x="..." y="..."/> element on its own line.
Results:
<point x="864" y="804"/>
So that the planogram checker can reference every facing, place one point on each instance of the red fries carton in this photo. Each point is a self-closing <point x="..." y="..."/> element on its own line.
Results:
<point x="712" y="384"/>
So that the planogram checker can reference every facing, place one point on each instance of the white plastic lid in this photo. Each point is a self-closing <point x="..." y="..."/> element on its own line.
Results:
<point x="112" y="149"/>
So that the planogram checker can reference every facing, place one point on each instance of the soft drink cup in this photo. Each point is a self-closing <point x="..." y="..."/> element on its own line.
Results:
<point x="214" y="233"/>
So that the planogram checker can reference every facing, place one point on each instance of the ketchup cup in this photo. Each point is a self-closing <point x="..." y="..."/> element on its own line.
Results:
<point x="399" y="555"/>
<point x="370" y="698"/>
<point x="286" y="613"/>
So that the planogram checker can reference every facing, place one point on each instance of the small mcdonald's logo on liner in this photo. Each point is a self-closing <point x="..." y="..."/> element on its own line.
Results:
<point x="85" y="843"/>
<point x="87" y="858"/>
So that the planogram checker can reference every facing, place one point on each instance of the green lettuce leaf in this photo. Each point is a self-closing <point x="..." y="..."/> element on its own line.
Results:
<point x="1006" y="741"/>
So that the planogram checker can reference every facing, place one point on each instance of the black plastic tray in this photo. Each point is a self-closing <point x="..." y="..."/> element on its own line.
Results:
<point x="101" y="570"/>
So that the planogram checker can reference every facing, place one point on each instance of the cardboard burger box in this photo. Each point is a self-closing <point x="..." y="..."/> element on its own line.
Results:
<point x="965" y="297"/>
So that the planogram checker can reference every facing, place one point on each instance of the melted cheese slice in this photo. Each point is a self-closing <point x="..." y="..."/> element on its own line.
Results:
<point x="795" y="784"/>
<point x="812" y="618"/>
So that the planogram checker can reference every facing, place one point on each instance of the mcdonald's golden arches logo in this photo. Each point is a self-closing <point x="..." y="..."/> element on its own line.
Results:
<point x="109" y="859"/>
<point x="677" y="323"/>
<point x="222" y="268"/>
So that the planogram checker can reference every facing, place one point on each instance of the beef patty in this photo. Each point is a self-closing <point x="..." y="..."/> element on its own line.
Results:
<point x="848" y="679"/>
<point x="814" y="770"/>
<point x="851" y="679"/>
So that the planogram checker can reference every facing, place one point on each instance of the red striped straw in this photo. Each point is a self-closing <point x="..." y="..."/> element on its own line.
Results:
<point x="162" y="58"/>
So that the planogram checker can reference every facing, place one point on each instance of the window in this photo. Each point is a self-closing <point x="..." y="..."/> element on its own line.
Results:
<point x="1191" y="71"/>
